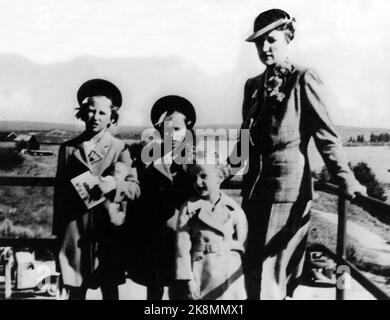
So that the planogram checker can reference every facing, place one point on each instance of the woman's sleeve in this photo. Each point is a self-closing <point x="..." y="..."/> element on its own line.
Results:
<point x="328" y="143"/>
<point x="183" y="265"/>
<point x="125" y="175"/>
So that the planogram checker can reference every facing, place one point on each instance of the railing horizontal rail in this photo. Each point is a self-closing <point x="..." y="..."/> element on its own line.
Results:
<point x="49" y="181"/>
<point x="359" y="200"/>
<point x="362" y="201"/>
<point x="28" y="242"/>
<point x="26" y="181"/>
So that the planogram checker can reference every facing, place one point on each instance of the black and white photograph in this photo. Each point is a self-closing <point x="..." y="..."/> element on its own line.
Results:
<point x="194" y="150"/>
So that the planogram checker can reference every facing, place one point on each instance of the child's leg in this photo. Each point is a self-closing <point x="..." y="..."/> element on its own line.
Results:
<point x="109" y="290"/>
<point x="155" y="292"/>
<point x="77" y="293"/>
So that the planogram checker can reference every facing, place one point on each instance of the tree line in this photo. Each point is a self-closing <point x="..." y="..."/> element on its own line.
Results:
<point x="382" y="137"/>
<point x="364" y="175"/>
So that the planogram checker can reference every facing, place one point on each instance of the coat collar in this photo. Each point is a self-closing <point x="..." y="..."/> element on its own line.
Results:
<point x="101" y="148"/>
<point x="203" y="209"/>
<point x="164" y="169"/>
<point x="163" y="164"/>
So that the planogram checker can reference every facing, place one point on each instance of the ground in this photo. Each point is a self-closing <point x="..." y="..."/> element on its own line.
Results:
<point x="133" y="291"/>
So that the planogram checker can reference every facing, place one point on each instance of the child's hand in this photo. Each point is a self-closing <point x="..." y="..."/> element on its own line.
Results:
<point x="117" y="216"/>
<point x="193" y="290"/>
<point x="107" y="184"/>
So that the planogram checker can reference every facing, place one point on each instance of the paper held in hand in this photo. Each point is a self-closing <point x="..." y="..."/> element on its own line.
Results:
<point x="83" y="184"/>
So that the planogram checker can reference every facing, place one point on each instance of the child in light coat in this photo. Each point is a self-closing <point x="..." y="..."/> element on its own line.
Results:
<point x="210" y="239"/>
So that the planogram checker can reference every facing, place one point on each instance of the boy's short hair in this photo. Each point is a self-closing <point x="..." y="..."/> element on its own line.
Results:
<point x="207" y="157"/>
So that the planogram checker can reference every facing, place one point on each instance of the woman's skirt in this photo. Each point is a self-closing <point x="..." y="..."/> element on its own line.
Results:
<point x="276" y="247"/>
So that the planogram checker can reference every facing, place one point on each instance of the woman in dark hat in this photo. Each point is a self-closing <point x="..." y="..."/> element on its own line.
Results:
<point x="88" y="215"/>
<point x="164" y="188"/>
<point x="283" y="108"/>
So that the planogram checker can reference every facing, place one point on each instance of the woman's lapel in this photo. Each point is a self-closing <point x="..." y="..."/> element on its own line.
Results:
<point x="258" y="107"/>
<point x="256" y="99"/>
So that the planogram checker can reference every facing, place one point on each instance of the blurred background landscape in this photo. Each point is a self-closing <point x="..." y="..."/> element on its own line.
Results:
<point x="26" y="211"/>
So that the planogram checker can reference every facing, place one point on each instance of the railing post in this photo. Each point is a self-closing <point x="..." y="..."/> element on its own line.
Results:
<point x="8" y="274"/>
<point x="341" y="239"/>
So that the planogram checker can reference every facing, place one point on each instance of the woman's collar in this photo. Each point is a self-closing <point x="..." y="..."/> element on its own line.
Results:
<point x="280" y="69"/>
<point x="94" y="138"/>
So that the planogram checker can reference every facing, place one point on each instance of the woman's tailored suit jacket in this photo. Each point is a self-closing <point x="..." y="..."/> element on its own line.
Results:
<point x="89" y="242"/>
<point x="278" y="166"/>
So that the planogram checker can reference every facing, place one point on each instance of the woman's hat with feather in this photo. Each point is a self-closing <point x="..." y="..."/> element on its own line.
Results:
<point x="268" y="21"/>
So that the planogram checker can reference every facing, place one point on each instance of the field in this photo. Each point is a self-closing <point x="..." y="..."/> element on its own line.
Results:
<point x="36" y="166"/>
<point x="27" y="211"/>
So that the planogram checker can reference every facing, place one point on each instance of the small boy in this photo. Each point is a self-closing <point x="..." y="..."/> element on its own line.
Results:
<point x="210" y="238"/>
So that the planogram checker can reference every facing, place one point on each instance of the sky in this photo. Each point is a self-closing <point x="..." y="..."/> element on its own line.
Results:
<point x="347" y="41"/>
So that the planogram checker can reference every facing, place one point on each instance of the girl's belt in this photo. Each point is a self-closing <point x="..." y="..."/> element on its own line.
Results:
<point x="209" y="247"/>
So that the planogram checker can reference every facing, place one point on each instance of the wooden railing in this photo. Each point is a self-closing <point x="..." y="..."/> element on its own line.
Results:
<point x="373" y="206"/>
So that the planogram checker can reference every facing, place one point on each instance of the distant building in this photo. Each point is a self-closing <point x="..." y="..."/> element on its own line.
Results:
<point x="7" y="136"/>
<point x="28" y="142"/>
<point x="40" y="152"/>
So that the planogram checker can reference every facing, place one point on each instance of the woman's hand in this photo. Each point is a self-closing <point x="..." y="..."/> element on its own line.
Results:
<point x="356" y="188"/>
<point x="193" y="290"/>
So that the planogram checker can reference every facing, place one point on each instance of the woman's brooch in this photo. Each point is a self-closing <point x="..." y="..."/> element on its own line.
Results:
<point x="274" y="85"/>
